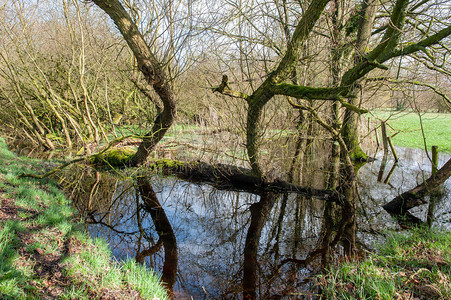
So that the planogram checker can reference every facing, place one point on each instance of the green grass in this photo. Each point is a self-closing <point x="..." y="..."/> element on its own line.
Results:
<point x="38" y="228"/>
<point x="437" y="129"/>
<point x="409" y="264"/>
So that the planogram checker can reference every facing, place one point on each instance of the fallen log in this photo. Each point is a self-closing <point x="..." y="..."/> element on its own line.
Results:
<point x="415" y="197"/>
<point x="223" y="176"/>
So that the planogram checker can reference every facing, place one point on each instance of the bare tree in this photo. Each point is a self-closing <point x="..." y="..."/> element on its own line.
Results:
<point x="152" y="71"/>
<point x="386" y="43"/>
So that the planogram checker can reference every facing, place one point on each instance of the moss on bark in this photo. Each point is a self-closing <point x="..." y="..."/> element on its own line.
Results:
<point x="114" y="157"/>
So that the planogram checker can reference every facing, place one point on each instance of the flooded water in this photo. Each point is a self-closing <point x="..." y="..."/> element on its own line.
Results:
<point x="414" y="166"/>
<point x="212" y="244"/>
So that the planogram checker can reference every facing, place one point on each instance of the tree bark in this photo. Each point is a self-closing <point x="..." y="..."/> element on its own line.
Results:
<point x="153" y="73"/>
<point x="351" y="118"/>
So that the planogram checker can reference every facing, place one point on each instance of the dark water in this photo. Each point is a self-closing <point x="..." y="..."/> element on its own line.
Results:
<point x="209" y="229"/>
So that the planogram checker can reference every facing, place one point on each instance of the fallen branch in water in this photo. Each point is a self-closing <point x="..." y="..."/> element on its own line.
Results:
<point x="221" y="176"/>
<point x="415" y="197"/>
<point x="230" y="177"/>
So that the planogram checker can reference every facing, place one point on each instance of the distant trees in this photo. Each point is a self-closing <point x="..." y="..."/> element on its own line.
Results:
<point x="59" y="81"/>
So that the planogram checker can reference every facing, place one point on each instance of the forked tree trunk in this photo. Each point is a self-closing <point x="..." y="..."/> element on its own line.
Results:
<point x="264" y="93"/>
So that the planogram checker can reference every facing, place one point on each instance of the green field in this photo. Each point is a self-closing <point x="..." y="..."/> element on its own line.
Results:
<point x="436" y="128"/>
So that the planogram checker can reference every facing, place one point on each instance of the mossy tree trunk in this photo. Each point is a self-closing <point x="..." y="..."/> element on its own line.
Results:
<point x="351" y="118"/>
<point x="285" y="68"/>
<point x="153" y="73"/>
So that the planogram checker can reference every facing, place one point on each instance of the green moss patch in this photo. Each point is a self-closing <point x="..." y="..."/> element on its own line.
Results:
<point x="114" y="157"/>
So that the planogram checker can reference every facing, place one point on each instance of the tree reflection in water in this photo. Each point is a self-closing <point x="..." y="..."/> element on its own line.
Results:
<point x="164" y="229"/>
<point x="229" y="244"/>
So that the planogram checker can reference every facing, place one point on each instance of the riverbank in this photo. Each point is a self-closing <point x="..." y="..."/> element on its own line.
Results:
<point x="414" y="264"/>
<point x="45" y="255"/>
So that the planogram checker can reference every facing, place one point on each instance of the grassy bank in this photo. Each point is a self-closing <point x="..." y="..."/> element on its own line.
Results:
<point x="436" y="127"/>
<point x="409" y="265"/>
<point x="44" y="255"/>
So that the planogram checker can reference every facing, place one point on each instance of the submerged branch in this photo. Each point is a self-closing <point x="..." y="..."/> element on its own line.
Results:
<point x="221" y="176"/>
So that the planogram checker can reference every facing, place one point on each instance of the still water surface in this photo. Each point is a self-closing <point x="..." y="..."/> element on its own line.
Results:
<point x="204" y="230"/>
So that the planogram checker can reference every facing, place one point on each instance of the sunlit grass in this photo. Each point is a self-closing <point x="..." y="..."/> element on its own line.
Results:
<point x="10" y="278"/>
<point x="410" y="264"/>
<point x="94" y="261"/>
<point x="45" y="227"/>
<point x="436" y="128"/>
<point x="141" y="279"/>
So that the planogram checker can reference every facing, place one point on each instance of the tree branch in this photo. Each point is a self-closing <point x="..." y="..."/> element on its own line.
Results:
<point x="333" y="131"/>
<point x="419" y="83"/>
<point x="307" y="92"/>
<point x="414" y="197"/>
<point x="426" y="42"/>
<point x="224" y="89"/>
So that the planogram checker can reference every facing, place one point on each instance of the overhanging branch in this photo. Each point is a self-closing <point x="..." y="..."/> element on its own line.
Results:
<point x="370" y="64"/>
<point x="426" y="42"/>
<point x="414" y="82"/>
<point x="307" y="92"/>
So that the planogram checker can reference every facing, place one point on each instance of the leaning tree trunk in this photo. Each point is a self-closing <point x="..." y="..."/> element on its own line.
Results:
<point x="414" y="197"/>
<point x="153" y="73"/>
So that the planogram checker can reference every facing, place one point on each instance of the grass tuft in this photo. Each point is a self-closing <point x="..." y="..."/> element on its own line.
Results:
<point x="414" y="264"/>
<point x="141" y="279"/>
